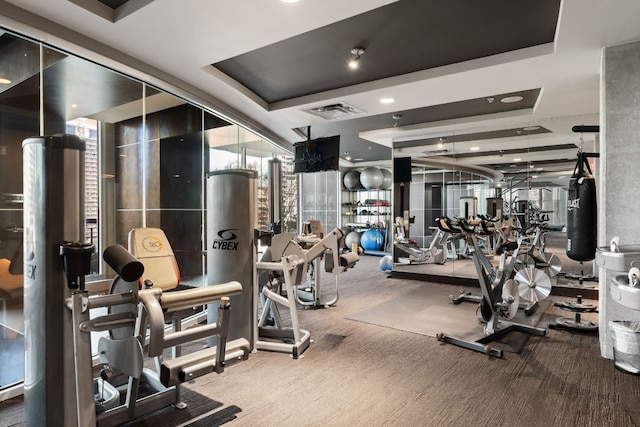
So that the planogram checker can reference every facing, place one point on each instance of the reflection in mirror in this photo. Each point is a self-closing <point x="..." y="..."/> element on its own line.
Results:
<point x="20" y="118"/>
<point x="145" y="163"/>
<point x="424" y="244"/>
<point x="448" y="183"/>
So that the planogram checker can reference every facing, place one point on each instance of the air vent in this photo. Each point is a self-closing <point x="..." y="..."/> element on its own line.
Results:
<point x="335" y="111"/>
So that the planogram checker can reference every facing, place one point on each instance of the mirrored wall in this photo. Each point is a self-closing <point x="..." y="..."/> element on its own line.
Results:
<point x="451" y="177"/>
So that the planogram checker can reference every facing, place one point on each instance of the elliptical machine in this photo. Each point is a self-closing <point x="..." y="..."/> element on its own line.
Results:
<point x="410" y="253"/>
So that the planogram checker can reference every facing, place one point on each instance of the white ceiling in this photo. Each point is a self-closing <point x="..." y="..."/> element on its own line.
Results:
<point x="176" y="41"/>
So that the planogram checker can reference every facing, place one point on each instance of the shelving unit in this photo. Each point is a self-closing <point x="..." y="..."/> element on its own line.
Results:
<point x="366" y="207"/>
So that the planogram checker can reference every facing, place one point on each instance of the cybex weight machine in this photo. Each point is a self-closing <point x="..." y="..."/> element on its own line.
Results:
<point x="60" y="386"/>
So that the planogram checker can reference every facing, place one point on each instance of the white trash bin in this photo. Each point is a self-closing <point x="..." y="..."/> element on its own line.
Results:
<point x="626" y="345"/>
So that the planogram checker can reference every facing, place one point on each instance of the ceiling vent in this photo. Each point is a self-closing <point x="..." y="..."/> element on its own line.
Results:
<point x="335" y="111"/>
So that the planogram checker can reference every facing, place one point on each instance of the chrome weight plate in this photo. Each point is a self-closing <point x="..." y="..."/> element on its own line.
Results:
<point x="582" y="325"/>
<point x="534" y="284"/>
<point x="510" y="297"/>
<point x="553" y="264"/>
<point x="524" y="261"/>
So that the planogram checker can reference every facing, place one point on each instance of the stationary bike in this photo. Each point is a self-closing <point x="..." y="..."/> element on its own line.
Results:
<point x="500" y="297"/>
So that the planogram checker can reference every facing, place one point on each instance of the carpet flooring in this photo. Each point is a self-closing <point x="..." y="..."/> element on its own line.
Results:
<point x="361" y="374"/>
<point x="428" y="310"/>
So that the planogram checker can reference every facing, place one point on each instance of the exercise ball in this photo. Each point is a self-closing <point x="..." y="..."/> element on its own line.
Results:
<point x="371" y="240"/>
<point x="386" y="264"/>
<point x="386" y="179"/>
<point x="351" y="238"/>
<point x="371" y="178"/>
<point x="351" y="180"/>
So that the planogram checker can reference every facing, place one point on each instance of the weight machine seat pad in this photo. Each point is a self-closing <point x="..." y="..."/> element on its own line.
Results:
<point x="349" y="259"/>
<point x="507" y="246"/>
<point x="152" y="248"/>
<point x="8" y="281"/>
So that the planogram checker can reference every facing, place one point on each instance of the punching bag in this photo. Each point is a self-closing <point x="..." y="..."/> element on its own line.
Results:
<point x="582" y="212"/>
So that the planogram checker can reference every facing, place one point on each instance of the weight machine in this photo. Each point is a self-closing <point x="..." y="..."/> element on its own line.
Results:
<point x="60" y="386"/>
<point x="286" y="264"/>
<point x="135" y="321"/>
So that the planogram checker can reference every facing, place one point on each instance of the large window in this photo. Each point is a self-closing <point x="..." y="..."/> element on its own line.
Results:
<point x="147" y="155"/>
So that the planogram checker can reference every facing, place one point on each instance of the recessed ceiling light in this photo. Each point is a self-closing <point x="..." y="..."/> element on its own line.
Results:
<point x="4" y="81"/>
<point x="511" y="99"/>
<point x="530" y="128"/>
<point x="289" y="1"/>
<point x="534" y="176"/>
<point x="358" y="160"/>
<point x="517" y="159"/>
<point x="539" y="169"/>
<point x="474" y="148"/>
<point x="387" y="101"/>
<point x="74" y="105"/>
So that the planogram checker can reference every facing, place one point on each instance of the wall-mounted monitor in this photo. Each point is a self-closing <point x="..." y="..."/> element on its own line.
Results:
<point x="316" y="155"/>
<point x="401" y="169"/>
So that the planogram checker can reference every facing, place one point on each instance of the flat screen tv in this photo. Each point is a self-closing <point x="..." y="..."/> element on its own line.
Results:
<point x="316" y="155"/>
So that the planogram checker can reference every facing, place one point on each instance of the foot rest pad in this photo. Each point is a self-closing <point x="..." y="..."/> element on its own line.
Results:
<point x="194" y="365"/>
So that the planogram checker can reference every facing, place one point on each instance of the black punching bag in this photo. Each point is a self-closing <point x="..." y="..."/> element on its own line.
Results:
<point x="582" y="213"/>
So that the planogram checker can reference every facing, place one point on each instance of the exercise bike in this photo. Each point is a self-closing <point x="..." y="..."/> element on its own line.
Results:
<point x="500" y="297"/>
<point x="534" y="251"/>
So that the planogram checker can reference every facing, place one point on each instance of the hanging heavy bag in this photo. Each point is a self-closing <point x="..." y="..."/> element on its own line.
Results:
<point x="582" y="212"/>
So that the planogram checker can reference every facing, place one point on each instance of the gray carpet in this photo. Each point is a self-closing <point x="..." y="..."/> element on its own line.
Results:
<point x="428" y="310"/>
<point x="358" y="374"/>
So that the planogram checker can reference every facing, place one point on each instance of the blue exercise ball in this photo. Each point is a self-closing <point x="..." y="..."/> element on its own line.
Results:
<point x="386" y="180"/>
<point x="372" y="240"/>
<point x="386" y="264"/>
<point x="371" y="178"/>
<point x="351" y="180"/>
